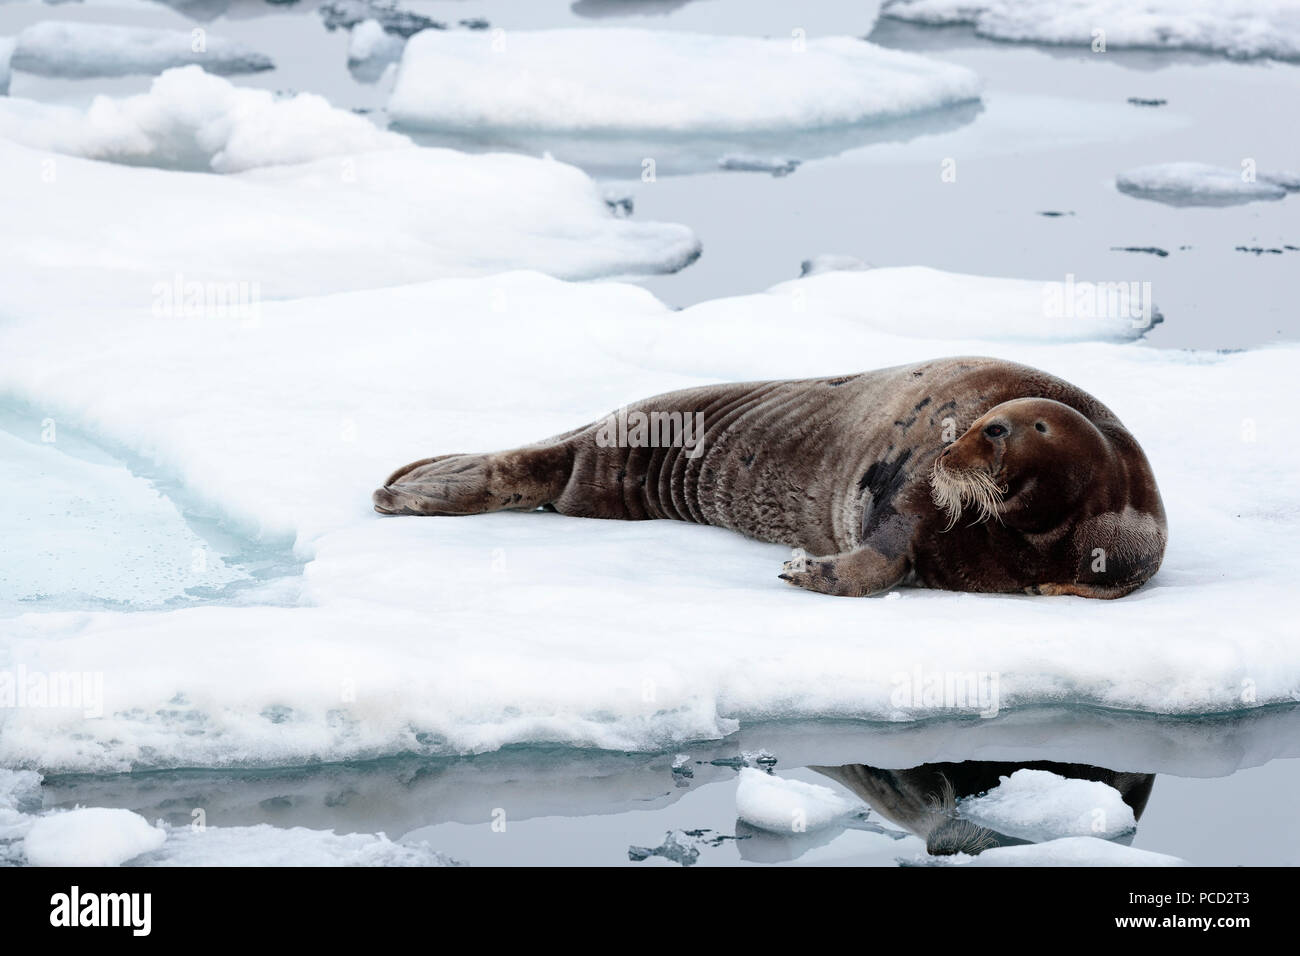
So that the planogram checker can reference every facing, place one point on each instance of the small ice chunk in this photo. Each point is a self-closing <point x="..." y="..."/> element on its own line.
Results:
<point x="744" y="162"/>
<point x="787" y="806"/>
<point x="831" y="262"/>
<point x="90" y="836"/>
<point x="1072" y="851"/>
<point x="1039" y="805"/>
<point x="1196" y="184"/>
<point x="80" y="50"/>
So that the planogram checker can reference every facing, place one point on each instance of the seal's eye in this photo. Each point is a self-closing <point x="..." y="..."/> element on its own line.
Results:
<point x="1040" y="426"/>
<point x="995" y="431"/>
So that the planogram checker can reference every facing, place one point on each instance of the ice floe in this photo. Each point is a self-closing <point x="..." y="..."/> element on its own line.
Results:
<point x="1070" y="851"/>
<point x="459" y="635"/>
<point x="191" y="119"/>
<point x="339" y="223"/>
<point x="81" y="50"/>
<point x="1038" y="805"/>
<point x="89" y="836"/>
<point x="1238" y="28"/>
<point x="624" y="80"/>
<point x="773" y="803"/>
<point x="1201" y="184"/>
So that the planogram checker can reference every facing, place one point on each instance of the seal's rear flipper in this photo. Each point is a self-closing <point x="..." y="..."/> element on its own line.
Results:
<point x="520" y="480"/>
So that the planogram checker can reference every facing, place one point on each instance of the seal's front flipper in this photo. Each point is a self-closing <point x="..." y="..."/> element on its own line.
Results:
<point x="520" y="480"/>
<point x="855" y="573"/>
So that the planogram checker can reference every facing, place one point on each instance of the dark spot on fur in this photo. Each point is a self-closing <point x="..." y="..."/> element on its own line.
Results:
<point x="945" y="406"/>
<point x="921" y="404"/>
<point x="883" y="480"/>
<point x="827" y="570"/>
<point x="917" y="373"/>
<point x="840" y="381"/>
<point x="622" y="473"/>
<point x="747" y="460"/>
<point x="908" y="423"/>
<point x="515" y="497"/>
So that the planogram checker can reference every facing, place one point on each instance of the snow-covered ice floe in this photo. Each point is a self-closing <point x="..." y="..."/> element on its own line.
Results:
<point x="339" y="223"/>
<point x="1066" y="851"/>
<point x="438" y="635"/>
<point x="101" y="836"/>
<point x="82" y="50"/>
<point x="626" y="81"/>
<point x="1237" y="28"/>
<point x="1038" y="805"/>
<point x="778" y="805"/>
<point x="1201" y="184"/>
<point x="191" y="119"/>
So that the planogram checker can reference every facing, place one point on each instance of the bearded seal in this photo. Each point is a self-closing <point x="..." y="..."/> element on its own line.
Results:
<point x="924" y="799"/>
<point x="871" y="474"/>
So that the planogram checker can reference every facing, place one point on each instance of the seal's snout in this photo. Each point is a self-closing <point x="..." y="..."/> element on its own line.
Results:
<point x="385" y="501"/>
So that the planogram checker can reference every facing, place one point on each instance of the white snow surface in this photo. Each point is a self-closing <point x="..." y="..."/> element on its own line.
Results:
<point x="1237" y="28"/>
<point x="1192" y="184"/>
<point x="90" y="836"/>
<point x="773" y="803"/>
<point x="190" y="119"/>
<point x="1071" y="851"/>
<point x="81" y="50"/>
<point x="339" y="223"/>
<point x="466" y="634"/>
<point x="1038" y="805"/>
<point x="628" y="80"/>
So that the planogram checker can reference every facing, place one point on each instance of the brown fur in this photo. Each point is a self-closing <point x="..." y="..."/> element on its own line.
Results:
<point x="855" y="469"/>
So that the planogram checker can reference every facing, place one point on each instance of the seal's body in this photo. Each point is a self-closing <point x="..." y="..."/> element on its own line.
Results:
<point x="872" y="472"/>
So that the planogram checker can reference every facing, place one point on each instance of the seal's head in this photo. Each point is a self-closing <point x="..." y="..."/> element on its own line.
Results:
<point x="1025" y="463"/>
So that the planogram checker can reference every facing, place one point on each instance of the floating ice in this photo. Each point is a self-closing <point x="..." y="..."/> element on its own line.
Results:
<point x="190" y="119"/>
<point x="788" y="806"/>
<point x="348" y="222"/>
<point x="626" y="80"/>
<point x="1198" y="184"/>
<point x="1070" y="851"/>
<point x="1038" y="805"/>
<point x="90" y="836"/>
<point x="435" y="635"/>
<point x="82" y="50"/>
<point x="1238" y="28"/>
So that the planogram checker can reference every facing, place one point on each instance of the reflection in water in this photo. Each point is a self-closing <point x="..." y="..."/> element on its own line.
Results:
<point x="924" y="799"/>
<point x="622" y="155"/>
